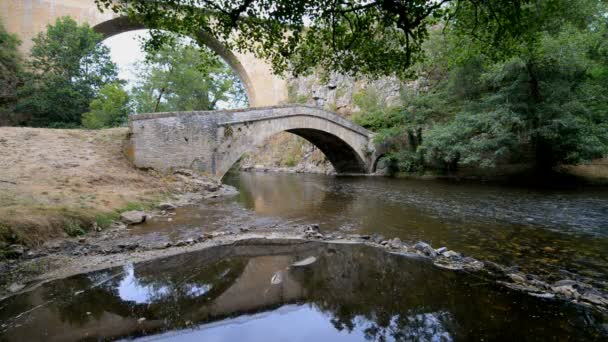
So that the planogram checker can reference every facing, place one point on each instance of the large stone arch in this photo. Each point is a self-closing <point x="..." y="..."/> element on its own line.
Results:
<point x="213" y="141"/>
<point x="27" y="18"/>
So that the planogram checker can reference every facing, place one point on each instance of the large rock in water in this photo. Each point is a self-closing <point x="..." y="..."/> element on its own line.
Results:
<point x="133" y="217"/>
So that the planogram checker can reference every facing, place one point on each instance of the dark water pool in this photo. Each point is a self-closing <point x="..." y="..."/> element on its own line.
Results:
<point x="254" y="293"/>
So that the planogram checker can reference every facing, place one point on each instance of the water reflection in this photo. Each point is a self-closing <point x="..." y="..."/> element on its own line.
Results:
<point x="351" y="293"/>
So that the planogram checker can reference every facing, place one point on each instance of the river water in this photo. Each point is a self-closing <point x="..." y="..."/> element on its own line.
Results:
<point x="349" y="293"/>
<point x="554" y="233"/>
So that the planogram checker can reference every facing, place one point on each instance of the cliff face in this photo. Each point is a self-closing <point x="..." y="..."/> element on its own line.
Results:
<point x="334" y="92"/>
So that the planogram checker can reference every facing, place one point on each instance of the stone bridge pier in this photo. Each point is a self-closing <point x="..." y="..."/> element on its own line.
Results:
<point x="212" y="141"/>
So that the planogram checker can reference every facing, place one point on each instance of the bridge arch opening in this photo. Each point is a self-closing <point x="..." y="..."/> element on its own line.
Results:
<point x="116" y="26"/>
<point x="343" y="157"/>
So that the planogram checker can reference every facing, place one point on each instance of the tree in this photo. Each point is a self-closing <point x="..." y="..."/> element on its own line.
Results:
<point x="110" y="108"/>
<point x="380" y="37"/>
<point x="546" y="103"/>
<point x="182" y="78"/>
<point x="11" y="73"/>
<point x="68" y="67"/>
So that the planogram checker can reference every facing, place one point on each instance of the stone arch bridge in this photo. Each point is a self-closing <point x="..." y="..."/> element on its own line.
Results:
<point x="212" y="141"/>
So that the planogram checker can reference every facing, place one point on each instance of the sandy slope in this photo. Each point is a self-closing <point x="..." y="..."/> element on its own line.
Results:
<point x="47" y="175"/>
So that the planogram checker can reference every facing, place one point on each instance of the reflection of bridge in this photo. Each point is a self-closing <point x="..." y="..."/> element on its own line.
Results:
<point x="213" y="141"/>
<point x="27" y="18"/>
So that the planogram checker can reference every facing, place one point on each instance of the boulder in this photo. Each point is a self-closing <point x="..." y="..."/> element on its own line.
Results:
<point x="133" y="217"/>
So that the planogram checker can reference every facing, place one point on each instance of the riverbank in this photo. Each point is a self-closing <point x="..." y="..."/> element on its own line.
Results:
<point x="56" y="183"/>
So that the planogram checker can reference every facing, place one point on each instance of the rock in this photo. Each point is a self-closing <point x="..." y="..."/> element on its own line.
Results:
<point x="201" y="238"/>
<point x="277" y="278"/>
<point x="425" y="248"/>
<point x="365" y="237"/>
<point x="377" y="238"/>
<point x="82" y="240"/>
<point x="451" y="255"/>
<point x="244" y="229"/>
<point x="395" y="243"/>
<point x="141" y="320"/>
<point x="518" y="278"/>
<point x="133" y="217"/>
<point x="167" y="206"/>
<point x="181" y="243"/>
<point x="15" y="287"/>
<point x="565" y="290"/>
<point x="15" y="251"/>
<point x="440" y="250"/>
<point x="472" y="264"/>
<point x="190" y="241"/>
<point x="304" y="262"/>
<point x="594" y="298"/>
<point x="565" y="282"/>
<point x="545" y="295"/>
<point x="128" y="246"/>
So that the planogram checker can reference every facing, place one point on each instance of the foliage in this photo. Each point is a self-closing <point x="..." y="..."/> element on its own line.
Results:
<point x="546" y="103"/>
<point x="181" y="78"/>
<point x="110" y="108"/>
<point x="73" y="228"/>
<point x="68" y="67"/>
<point x="11" y="72"/>
<point x="381" y="37"/>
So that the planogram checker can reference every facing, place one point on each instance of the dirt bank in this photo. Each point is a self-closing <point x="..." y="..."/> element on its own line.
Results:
<point x="56" y="182"/>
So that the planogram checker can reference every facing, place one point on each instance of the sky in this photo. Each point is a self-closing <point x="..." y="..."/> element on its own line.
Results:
<point x="125" y="51"/>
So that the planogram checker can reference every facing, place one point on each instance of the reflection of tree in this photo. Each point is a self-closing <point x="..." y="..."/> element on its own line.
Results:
<point x="390" y="297"/>
<point x="172" y="292"/>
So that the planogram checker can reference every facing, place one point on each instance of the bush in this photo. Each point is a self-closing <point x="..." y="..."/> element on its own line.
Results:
<point x="109" y="109"/>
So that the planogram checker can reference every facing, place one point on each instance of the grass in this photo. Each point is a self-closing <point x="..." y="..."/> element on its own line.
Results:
<point x="32" y="225"/>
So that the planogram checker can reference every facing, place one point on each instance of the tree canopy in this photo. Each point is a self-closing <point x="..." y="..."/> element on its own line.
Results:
<point x="180" y="77"/>
<point x="11" y="72"/>
<point x="110" y="108"/>
<point x="67" y="68"/>
<point x="374" y="38"/>
<point x="545" y="102"/>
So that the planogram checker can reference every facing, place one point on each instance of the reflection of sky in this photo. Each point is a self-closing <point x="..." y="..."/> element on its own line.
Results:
<point x="130" y="289"/>
<point x="305" y="323"/>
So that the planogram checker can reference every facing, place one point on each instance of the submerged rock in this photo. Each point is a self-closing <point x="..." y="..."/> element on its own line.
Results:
<point x="133" y="217"/>
<point x="304" y="262"/>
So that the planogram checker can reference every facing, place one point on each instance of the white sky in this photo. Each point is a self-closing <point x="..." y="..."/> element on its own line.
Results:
<point x="125" y="51"/>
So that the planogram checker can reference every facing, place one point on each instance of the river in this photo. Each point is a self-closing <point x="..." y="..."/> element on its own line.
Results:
<point x="544" y="231"/>
<point x="348" y="292"/>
